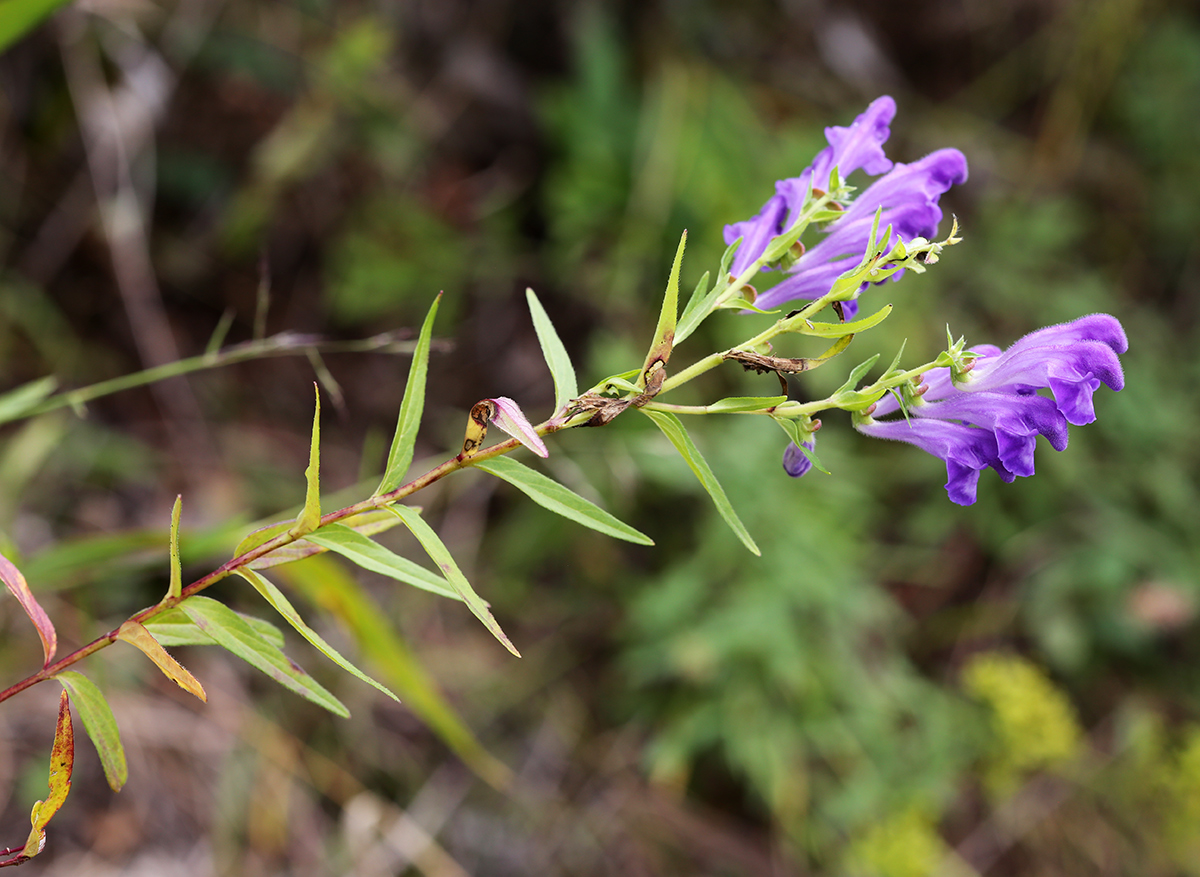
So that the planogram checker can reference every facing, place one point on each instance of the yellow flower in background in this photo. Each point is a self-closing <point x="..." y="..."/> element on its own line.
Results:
<point x="1035" y="726"/>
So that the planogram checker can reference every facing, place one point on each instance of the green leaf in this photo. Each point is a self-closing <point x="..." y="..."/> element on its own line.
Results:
<point x="310" y="516"/>
<point x="228" y="629"/>
<point x="17" y="17"/>
<point x="664" y="332"/>
<point x="276" y="598"/>
<point x="440" y="555"/>
<point x="411" y="409"/>
<point x="370" y="555"/>
<point x="368" y="523"/>
<point x="673" y="429"/>
<point x="837" y="330"/>
<point x="15" y="404"/>
<point x="856" y="374"/>
<point x="736" y="404"/>
<point x="727" y="260"/>
<point x="173" y="628"/>
<point x="325" y="583"/>
<point x="696" y="314"/>
<point x="175" y="588"/>
<point x="694" y="299"/>
<point x="100" y="725"/>
<point x="559" y="499"/>
<point x="561" y="370"/>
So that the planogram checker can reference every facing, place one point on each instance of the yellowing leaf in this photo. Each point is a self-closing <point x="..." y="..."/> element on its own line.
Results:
<point x="100" y="725"/>
<point x="20" y="589"/>
<point x="62" y="760"/>
<point x="176" y="586"/>
<point x="136" y="635"/>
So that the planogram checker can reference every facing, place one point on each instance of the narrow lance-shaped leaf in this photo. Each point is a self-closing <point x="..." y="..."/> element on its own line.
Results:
<point x="140" y="638"/>
<point x="692" y="316"/>
<point x="310" y="516"/>
<point x="440" y="555"/>
<point x="738" y="404"/>
<point x="175" y="588"/>
<point x="370" y="555"/>
<point x="673" y="429"/>
<point x="283" y="606"/>
<point x="230" y="631"/>
<point x="62" y="761"/>
<point x="836" y="330"/>
<point x="368" y="523"/>
<point x="329" y="585"/>
<point x="100" y="725"/>
<point x="20" y="589"/>
<point x="561" y="370"/>
<point x="559" y="499"/>
<point x="411" y="408"/>
<point x="654" y="369"/>
<point x="174" y="628"/>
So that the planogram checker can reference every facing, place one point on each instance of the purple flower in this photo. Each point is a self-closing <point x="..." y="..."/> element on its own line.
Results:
<point x="966" y="450"/>
<point x="859" y="146"/>
<point x="993" y="416"/>
<point x="795" y="461"/>
<point x="908" y="195"/>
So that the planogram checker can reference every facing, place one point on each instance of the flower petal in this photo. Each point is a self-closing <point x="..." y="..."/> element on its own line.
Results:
<point x="966" y="450"/>
<point x="509" y="418"/>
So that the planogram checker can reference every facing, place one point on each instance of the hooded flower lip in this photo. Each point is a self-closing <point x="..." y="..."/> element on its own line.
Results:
<point x="909" y="196"/>
<point x="966" y="450"/>
<point x="999" y="400"/>
<point x="908" y="193"/>
<point x="508" y="417"/>
<point x="858" y="146"/>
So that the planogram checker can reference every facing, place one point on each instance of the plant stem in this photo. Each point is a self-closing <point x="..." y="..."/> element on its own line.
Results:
<point x="234" y="564"/>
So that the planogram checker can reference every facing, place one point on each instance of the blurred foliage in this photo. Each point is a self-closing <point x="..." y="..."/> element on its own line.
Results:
<point x="899" y="686"/>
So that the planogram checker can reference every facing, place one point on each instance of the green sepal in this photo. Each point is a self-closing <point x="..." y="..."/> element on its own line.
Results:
<point x="674" y="430"/>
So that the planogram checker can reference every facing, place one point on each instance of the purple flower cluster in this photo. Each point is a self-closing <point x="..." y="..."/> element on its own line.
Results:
<point x="908" y="195"/>
<point x="994" y="416"/>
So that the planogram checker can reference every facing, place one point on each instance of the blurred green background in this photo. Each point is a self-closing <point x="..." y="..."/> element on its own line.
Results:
<point x="898" y="687"/>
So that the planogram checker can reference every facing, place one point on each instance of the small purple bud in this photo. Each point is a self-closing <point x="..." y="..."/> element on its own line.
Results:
<point x="795" y="462"/>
